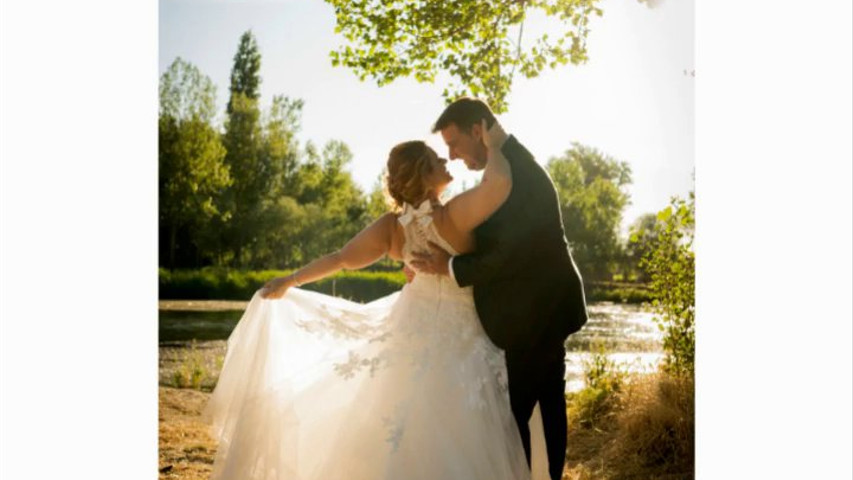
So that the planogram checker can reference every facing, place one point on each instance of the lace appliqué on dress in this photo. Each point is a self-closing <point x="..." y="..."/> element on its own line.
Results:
<point x="355" y="363"/>
<point x="395" y="427"/>
<point x="341" y="324"/>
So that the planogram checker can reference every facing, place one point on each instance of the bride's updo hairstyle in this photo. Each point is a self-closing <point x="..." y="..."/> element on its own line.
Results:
<point x="408" y="164"/>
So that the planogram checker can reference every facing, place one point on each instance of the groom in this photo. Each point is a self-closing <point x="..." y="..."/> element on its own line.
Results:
<point x="527" y="289"/>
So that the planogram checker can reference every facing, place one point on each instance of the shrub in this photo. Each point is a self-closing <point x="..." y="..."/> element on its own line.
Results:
<point x="594" y="406"/>
<point x="670" y="265"/>
<point x="191" y="370"/>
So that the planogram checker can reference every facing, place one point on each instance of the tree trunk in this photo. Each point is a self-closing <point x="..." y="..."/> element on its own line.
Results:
<point x="173" y="241"/>
<point x="238" y="257"/>
<point x="241" y="242"/>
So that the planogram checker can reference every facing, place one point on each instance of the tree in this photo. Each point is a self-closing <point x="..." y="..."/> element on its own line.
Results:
<point x="243" y="141"/>
<point x="592" y="192"/>
<point x="323" y="209"/>
<point x="186" y="93"/>
<point x="280" y="150"/>
<point x="249" y="196"/>
<point x="642" y="235"/>
<point x="192" y="173"/>
<point x="468" y="40"/>
<point x="344" y="201"/>
<point x="282" y="244"/>
<point x="245" y="74"/>
<point x="339" y="191"/>
<point x="377" y="200"/>
<point x="333" y="189"/>
<point x="276" y="216"/>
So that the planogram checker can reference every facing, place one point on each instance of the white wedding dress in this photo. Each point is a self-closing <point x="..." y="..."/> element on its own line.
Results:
<point x="406" y="387"/>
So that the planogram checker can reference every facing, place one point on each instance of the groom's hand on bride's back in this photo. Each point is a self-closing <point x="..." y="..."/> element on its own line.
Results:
<point x="434" y="262"/>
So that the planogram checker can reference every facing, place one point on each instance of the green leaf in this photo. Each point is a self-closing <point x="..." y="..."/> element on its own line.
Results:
<point x="430" y="36"/>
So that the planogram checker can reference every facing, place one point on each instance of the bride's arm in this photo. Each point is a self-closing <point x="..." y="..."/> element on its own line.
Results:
<point x="472" y="207"/>
<point x="365" y="248"/>
<point x="480" y="266"/>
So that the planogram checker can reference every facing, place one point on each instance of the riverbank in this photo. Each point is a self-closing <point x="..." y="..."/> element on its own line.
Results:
<point x="362" y="285"/>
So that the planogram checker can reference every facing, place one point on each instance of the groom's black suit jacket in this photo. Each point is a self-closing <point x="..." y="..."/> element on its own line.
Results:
<point x="527" y="289"/>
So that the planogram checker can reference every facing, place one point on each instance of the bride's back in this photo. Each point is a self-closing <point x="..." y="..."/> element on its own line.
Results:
<point x="416" y="227"/>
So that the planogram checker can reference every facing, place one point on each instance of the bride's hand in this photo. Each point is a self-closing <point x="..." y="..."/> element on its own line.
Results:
<point x="493" y="138"/>
<point x="276" y="288"/>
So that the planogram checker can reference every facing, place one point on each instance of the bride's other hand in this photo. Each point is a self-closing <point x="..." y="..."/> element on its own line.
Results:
<point x="493" y="138"/>
<point x="276" y="288"/>
<point x="474" y="206"/>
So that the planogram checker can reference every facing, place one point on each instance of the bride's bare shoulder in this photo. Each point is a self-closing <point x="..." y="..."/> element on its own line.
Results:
<point x="462" y="242"/>
<point x="397" y="236"/>
<point x="440" y="216"/>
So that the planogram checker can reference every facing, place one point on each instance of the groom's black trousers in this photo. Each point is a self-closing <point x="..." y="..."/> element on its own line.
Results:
<point x="539" y="375"/>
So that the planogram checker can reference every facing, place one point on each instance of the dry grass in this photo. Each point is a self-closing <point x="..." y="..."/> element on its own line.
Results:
<point x="186" y="447"/>
<point x="649" y="436"/>
<point x="657" y="426"/>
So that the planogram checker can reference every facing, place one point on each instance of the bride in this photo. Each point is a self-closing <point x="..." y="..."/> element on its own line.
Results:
<point x="405" y="387"/>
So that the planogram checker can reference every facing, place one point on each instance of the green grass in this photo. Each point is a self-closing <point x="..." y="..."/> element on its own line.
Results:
<point x="227" y="284"/>
<point x="603" y="380"/>
<point x="192" y="370"/>
<point x="619" y="292"/>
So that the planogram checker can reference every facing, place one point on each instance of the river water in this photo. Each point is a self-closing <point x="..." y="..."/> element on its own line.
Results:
<point x="625" y="332"/>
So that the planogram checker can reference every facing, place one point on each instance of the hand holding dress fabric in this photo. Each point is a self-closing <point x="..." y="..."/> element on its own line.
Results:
<point x="277" y="287"/>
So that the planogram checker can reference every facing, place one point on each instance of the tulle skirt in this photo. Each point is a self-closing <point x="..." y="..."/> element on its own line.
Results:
<point x="405" y="387"/>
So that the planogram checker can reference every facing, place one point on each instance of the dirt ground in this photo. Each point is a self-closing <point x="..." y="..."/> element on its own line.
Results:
<point x="187" y="450"/>
<point x="201" y="305"/>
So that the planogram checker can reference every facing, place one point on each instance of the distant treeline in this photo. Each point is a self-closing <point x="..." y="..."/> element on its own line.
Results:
<point x="244" y="193"/>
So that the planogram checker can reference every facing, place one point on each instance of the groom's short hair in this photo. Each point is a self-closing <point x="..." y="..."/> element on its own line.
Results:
<point x="464" y="112"/>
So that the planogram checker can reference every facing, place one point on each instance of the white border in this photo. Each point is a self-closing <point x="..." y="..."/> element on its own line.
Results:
<point x="773" y="241"/>
<point x="79" y="220"/>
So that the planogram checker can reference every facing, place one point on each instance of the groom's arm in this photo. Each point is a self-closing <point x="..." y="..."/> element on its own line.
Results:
<point x="481" y="267"/>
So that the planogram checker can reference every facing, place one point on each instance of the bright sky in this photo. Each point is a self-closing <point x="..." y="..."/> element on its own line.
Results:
<point x="632" y="100"/>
